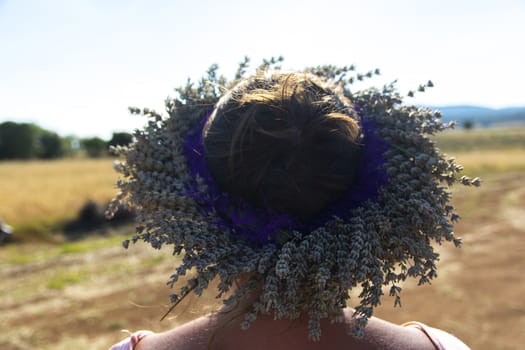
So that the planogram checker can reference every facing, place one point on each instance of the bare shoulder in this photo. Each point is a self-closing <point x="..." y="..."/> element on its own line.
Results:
<point x="381" y="334"/>
<point x="267" y="333"/>
<point x="194" y="335"/>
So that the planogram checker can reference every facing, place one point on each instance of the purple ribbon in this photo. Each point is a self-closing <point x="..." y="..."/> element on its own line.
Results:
<point x="263" y="225"/>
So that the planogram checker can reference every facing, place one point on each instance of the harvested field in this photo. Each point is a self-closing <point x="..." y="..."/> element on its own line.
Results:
<point x="80" y="294"/>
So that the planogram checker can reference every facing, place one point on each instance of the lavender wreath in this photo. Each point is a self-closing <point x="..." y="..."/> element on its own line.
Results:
<point x="378" y="235"/>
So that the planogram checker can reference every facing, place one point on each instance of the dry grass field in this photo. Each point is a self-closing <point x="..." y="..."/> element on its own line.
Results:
<point x="38" y="195"/>
<point x="80" y="294"/>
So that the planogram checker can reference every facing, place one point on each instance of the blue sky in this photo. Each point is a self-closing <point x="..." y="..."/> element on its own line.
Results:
<point x="74" y="66"/>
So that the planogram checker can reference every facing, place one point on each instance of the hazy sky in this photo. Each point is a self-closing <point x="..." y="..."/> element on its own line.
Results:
<point x="74" y="66"/>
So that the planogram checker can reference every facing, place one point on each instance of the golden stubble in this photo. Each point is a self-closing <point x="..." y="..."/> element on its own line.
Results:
<point x="46" y="191"/>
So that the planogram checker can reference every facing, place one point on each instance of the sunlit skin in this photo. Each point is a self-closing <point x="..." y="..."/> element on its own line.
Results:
<point x="267" y="333"/>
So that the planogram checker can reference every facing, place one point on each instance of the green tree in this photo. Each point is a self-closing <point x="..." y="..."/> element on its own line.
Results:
<point x="71" y="145"/>
<point x="95" y="147"/>
<point x="50" y="145"/>
<point x="468" y="124"/>
<point x="17" y="141"/>
<point x="120" y="139"/>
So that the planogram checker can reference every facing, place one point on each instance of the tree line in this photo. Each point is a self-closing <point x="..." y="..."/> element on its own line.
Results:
<point x="29" y="141"/>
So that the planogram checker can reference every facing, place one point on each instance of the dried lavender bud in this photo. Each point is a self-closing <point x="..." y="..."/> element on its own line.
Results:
<point x="306" y="271"/>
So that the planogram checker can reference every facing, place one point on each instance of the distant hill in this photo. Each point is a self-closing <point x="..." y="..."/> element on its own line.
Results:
<point x="482" y="116"/>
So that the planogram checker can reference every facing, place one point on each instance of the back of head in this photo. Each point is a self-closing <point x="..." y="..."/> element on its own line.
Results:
<point x="285" y="142"/>
<point x="291" y="143"/>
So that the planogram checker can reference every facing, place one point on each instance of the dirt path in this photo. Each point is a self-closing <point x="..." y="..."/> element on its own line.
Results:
<point x="478" y="295"/>
<point x="479" y="292"/>
<point x="90" y="296"/>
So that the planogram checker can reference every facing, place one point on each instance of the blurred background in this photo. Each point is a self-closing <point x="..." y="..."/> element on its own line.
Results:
<point x="70" y="70"/>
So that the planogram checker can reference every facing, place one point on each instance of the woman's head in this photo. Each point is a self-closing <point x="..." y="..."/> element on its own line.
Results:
<point x="290" y="143"/>
<point x="285" y="142"/>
